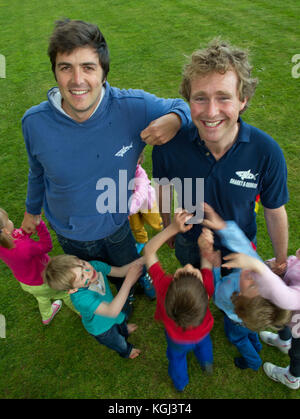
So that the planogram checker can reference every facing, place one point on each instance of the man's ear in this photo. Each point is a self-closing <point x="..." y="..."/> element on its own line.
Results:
<point x="72" y="291"/>
<point x="243" y="105"/>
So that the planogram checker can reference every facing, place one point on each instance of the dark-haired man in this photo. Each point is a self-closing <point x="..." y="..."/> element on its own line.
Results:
<point x="83" y="144"/>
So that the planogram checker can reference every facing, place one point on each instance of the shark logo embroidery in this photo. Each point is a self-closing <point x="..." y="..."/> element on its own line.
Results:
<point x="247" y="175"/>
<point x="123" y="150"/>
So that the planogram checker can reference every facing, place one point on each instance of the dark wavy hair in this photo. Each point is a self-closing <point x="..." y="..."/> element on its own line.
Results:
<point x="71" y="34"/>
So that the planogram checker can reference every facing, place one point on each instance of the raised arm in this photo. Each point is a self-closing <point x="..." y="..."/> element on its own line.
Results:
<point x="176" y="226"/>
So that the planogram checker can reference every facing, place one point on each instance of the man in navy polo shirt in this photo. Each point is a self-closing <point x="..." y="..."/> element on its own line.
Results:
<point x="237" y="161"/>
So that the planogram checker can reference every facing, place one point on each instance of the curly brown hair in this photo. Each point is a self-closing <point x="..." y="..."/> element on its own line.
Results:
<point x="219" y="57"/>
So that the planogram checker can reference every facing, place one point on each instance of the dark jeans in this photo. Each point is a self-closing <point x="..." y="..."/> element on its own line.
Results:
<point x="245" y="340"/>
<point x="116" y="338"/>
<point x="118" y="249"/>
<point x="294" y="352"/>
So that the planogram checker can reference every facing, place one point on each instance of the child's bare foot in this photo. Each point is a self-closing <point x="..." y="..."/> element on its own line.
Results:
<point x="131" y="327"/>
<point x="134" y="353"/>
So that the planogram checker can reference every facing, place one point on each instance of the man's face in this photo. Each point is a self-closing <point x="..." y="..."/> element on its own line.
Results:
<point x="79" y="77"/>
<point x="215" y="107"/>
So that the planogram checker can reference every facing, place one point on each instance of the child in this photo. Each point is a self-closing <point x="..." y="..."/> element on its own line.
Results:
<point x="27" y="259"/>
<point x="245" y="339"/>
<point x="88" y="286"/>
<point x="182" y="305"/>
<point x="143" y="206"/>
<point x="284" y="293"/>
<point x="143" y="209"/>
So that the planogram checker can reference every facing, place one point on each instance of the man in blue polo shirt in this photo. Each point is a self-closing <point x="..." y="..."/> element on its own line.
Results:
<point x="237" y="161"/>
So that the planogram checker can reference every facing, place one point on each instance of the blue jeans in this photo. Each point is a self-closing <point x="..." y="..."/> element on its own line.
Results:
<point x="246" y="341"/>
<point x="176" y="354"/>
<point x="116" y="338"/>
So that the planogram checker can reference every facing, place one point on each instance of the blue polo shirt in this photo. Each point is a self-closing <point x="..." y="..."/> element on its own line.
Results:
<point x="253" y="165"/>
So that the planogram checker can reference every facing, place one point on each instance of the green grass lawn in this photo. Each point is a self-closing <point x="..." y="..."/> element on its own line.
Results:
<point x="148" y="41"/>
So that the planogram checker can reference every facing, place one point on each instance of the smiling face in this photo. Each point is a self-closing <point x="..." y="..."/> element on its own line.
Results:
<point x="215" y="107"/>
<point x="80" y="79"/>
<point x="84" y="274"/>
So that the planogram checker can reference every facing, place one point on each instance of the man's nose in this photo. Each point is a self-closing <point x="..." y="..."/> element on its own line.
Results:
<point x="77" y="76"/>
<point x="212" y="108"/>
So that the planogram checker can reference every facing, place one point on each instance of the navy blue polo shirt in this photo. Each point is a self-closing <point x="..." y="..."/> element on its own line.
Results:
<point x="253" y="165"/>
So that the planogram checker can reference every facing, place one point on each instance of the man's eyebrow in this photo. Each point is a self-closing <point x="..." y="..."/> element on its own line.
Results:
<point x="62" y="63"/>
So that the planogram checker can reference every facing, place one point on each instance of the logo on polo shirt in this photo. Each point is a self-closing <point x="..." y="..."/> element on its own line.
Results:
<point x="244" y="177"/>
<point x="123" y="150"/>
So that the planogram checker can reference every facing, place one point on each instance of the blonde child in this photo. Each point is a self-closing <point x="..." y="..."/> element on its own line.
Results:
<point x="27" y="259"/>
<point x="88" y="286"/>
<point x="237" y="283"/>
<point x="284" y="293"/>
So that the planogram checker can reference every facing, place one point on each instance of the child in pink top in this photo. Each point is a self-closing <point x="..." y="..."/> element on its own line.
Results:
<point x="27" y="259"/>
<point x="143" y="208"/>
<point x="284" y="293"/>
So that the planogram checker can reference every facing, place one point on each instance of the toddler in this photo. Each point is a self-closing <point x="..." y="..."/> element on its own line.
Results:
<point x="88" y="286"/>
<point x="27" y="259"/>
<point x="143" y="207"/>
<point x="182" y="305"/>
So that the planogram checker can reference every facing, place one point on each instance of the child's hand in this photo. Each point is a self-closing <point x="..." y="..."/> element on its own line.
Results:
<point x="278" y="268"/>
<point x="206" y="246"/>
<point x="206" y="240"/>
<point x="134" y="272"/>
<point x="240" y="260"/>
<point x="180" y="218"/>
<point x="212" y="219"/>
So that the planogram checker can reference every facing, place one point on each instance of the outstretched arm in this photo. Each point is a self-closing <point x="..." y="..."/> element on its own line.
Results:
<point x="270" y="285"/>
<point x="176" y="226"/>
<point x="114" y="308"/>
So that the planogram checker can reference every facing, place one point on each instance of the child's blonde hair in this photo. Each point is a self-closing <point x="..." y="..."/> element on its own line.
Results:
<point x="58" y="273"/>
<point x="5" y="240"/>
<point x="258" y="313"/>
